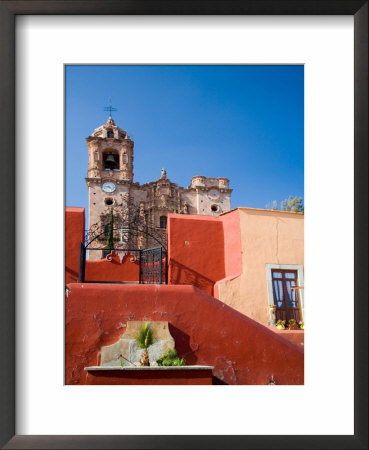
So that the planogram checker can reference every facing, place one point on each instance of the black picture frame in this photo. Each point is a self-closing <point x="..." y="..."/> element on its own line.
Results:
<point x="8" y="11"/>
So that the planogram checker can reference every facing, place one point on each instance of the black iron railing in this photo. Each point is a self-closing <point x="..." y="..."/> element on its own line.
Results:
<point x="152" y="266"/>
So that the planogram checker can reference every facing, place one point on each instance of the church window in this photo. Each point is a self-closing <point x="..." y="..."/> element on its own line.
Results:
<point x="163" y="221"/>
<point x="110" y="134"/>
<point x="108" y="201"/>
<point x="215" y="208"/>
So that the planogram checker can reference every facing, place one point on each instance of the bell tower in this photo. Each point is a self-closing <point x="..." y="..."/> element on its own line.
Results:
<point x="110" y="169"/>
<point x="138" y="207"/>
<point x="110" y="152"/>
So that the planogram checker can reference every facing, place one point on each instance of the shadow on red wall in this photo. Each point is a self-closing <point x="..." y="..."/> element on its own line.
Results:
<point x="195" y="251"/>
<point x="181" y="274"/>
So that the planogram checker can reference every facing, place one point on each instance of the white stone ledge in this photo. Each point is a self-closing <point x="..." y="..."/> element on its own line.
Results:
<point x="102" y="368"/>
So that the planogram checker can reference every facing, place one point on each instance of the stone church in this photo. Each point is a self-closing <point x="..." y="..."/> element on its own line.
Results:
<point x="111" y="187"/>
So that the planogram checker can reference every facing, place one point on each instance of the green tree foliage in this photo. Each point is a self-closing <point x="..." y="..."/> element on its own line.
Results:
<point x="110" y="239"/>
<point x="294" y="204"/>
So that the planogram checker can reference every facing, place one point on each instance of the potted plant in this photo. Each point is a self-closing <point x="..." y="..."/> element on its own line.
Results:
<point x="144" y="339"/>
<point x="281" y="324"/>
<point x="292" y="324"/>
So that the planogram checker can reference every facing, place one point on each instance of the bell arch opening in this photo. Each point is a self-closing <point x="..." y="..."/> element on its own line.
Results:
<point x="110" y="160"/>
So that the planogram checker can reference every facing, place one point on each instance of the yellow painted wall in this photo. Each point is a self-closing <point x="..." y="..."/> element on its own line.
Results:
<point x="267" y="237"/>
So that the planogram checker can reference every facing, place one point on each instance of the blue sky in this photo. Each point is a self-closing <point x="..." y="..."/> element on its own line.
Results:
<point x="245" y="123"/>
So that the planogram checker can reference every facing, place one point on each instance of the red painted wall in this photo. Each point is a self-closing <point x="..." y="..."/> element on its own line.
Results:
<point x="113" y="270"/>
<point x="295" y="336"/>
<point x="206" y="332"/>
<point x="195" y="251"/>
<point x="232" y="243"/>
<point x="74" y="235"/>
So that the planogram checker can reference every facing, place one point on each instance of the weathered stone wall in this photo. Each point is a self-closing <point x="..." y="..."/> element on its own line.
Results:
<point x="126" y="350"/>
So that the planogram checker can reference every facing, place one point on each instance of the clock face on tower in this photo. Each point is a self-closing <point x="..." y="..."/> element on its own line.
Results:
<point x="108" y="187"/>
<point x="213" y="194"/>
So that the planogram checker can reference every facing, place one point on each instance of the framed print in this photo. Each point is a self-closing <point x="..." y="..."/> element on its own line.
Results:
<point x="38" y="40"/>
<point x="141" y="220"/>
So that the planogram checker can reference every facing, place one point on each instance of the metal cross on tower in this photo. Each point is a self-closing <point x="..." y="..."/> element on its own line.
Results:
<point x="110" y="108"/>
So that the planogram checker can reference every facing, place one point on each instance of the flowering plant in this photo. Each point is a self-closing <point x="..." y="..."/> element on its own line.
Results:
<point x="281" y="324"/>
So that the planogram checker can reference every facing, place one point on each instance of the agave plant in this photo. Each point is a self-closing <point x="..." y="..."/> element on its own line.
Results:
<point x="144" y="339"/>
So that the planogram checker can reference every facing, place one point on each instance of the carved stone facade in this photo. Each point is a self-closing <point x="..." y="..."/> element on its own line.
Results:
<point x="110" y="185"/>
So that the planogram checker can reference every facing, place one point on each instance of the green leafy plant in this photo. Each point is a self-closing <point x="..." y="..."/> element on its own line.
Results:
<point x="145" y="336"/>
<point x="293" y="325"/>
<point x="301" y="325"/>
<point x="281" y="324"/>
<point x="170" y="358"/>
<point x="122" y="363"/>
<point x="144" y="339"/>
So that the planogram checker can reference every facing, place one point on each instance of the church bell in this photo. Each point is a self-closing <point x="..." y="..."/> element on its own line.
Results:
<point x="110" y="162"/>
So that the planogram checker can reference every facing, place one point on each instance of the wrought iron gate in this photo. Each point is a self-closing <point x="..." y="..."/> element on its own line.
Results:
<point x="153" y="266"/>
